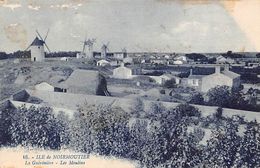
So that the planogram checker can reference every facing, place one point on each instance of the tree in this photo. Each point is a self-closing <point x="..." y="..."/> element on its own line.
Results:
<point x="186" y="110"/>
<point x="34" y="127"/>
<point x="236" y="100"/>
<point x="156" y="110"/>
<point x="170" y="83"/>
<point x="137" y="109"/>
<point x="218" y="113"/>
<point x="195" y="56"/>
<point x="101" y="129"/>
<point x="249" y="150"/>
<point x="223" y="145"/>
<point x="179" y="148"/>
<point x="5" y="122"/>
<point x="196" y="98"/>
<point x="219" y="96"/>
<point x="63" y="128"/>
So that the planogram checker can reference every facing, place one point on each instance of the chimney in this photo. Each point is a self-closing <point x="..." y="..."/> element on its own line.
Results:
<point x="122" y="64"/>
<point x="191" y="73"/>
<point x="227" y="67"/>
<point x="217" y="69"/>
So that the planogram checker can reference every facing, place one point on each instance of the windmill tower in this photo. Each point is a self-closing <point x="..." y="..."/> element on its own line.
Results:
<point x="124" y="51"/>
<point x="104" y="50"/>
<point x="89" y="50"/>
<point x="37" y="48"/>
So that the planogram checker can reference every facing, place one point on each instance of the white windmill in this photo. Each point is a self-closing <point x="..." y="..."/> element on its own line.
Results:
<point x="124" y="52"/>
<point x="87" y="51"/>
<point x="104" y="50"/>
<point x="37" y="47"/>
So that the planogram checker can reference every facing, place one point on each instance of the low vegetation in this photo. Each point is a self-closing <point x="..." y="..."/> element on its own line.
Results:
<point x="157" y="137"/>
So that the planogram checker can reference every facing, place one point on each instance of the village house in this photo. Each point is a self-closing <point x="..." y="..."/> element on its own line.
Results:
<point x="128" y="60"/>
<point x="221" y="60"/>
<point x="120" y="55"/>
<point x="165" y="77"/>
<point x="64" y="59"/>
<point x="205" y="82"/>
<point x="180" y="60"/>
<point x="160" y="61"/>
<point x="85" y="82"/>
<point x="103" y="62"/>
<point x="123" y="72"/>
<point x="44" y="86"/>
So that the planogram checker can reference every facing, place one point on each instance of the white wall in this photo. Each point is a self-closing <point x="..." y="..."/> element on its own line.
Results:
<point x="44" y="87"/>
<point x="37" y="53"/>
<point x="214" y="80"/>
<point x="122" y="73"/>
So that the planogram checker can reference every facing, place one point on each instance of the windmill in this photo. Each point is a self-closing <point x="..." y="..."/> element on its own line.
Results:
<point x="89" y="43"/>
<point x="124" y="52"/>
<point x="87" y="51"/>
<point x="37" y="47"/>
<point x="104" y="50"/>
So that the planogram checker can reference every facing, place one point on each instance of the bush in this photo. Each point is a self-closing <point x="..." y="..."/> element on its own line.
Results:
<point x="187" y="110"/>
<point x="218" y="113"/>
<point x="170" y="83"/>
<point x="219" y="96"/>
<point x="196" y="98"/>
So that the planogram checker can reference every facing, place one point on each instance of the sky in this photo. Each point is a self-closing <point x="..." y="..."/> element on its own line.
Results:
<point x="137" y="25"/>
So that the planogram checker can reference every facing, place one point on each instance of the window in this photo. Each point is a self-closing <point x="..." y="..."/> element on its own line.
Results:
<point x="195" y="82"/>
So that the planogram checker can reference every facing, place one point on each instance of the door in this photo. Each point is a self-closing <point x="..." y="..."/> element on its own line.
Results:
<point x="34" y="59"/>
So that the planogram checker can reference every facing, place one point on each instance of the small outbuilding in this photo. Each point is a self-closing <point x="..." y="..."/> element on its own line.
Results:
<point x="123" y="72"/>
<point x="85" y="82"/>
<point x="44" y="86"/>
<point x="103" y="62"/>
<point x="64" y="59"/>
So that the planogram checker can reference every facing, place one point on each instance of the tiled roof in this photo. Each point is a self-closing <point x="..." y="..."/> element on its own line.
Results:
<point x="37" y="42"/>
<point x="230" y="74"/>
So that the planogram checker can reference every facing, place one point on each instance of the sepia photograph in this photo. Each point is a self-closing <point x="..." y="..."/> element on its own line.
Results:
<point x="129" y="84"/>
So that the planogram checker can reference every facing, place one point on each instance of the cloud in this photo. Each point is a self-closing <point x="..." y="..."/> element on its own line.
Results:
<point x="12" y="6"/>
<point x="192" y="26"/>
<point x="16" y="33"/>
<point x="66" y="6"/>
<point x="34" y="7"/>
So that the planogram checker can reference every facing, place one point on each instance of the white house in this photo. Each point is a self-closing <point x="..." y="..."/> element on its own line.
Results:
<point x="128" y="60"/>
<point x="180" y="60"/>
<point x="64" y="59"/>
<point x="160" y="61"/>
<point x="123" y="72"/>
<point x="182" y="57"/>
<point x="103" y="62"/>
<point x="165" y="77"/>
<point x="44" y="86"/>
<point x="120" y="55"/>
<point x="219" y="78"/>
<point x="220" y="60"/>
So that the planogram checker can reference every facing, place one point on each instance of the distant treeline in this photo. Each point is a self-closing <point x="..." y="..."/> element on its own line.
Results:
<point x="62" y="54"/>
<point x="27" y="54"/>
<point x="17" y="54"/>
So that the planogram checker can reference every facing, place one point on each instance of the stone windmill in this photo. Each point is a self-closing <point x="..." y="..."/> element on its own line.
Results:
<point x="87" y="50"/>
<point x="104" y="50"/>
<point x="37" y="47"/>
